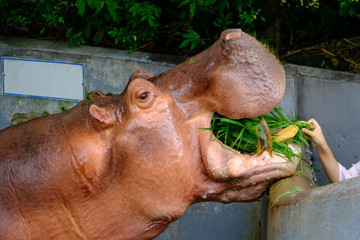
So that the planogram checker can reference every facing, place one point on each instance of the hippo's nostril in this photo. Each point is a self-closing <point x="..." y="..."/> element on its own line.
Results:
<point x="232" y="35"/>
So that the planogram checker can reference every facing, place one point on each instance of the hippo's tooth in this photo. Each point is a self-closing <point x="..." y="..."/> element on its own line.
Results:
<point x="263" y="137"/>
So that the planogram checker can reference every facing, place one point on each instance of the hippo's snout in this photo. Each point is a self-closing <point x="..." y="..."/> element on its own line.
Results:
<point x="250" y="80"/>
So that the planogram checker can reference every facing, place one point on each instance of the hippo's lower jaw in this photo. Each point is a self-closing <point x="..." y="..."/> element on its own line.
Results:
<point x="251" y="173"/>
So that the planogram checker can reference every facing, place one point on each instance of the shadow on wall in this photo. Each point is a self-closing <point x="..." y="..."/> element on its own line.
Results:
<point x="223" y="221"/>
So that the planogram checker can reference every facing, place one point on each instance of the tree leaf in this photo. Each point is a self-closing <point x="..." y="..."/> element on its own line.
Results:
<point x="91" y="3"/>
<point x="193" y="45"/>
<point x="185" y="43"/>
<point x="192" y="8"/>
<point x="281" y="114"/>
<point x="81" y="6"/>
<point x="112" y="6"/>
<point x="99" y="4"/>
<point x="98" y="37"/>
<point x="183" y="3"/>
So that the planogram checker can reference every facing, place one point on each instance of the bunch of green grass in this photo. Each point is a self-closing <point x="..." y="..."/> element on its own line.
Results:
<point x="241" y="134"/>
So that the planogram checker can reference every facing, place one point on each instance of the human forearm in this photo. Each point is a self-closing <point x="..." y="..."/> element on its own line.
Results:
<point x="331" y="166"/>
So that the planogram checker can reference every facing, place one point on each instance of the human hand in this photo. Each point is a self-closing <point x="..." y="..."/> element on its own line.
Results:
<point x="317" y="136"/>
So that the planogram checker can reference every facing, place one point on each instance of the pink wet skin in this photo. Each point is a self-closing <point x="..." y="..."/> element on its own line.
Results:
<point x="126" y="166"/>
<point x="232" y="35"/>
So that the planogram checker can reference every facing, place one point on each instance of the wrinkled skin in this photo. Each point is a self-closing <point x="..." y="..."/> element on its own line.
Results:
<point x="126" y="166"/>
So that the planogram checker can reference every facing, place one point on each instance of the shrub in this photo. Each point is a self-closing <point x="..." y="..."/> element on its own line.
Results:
<point x="168" y="26"/>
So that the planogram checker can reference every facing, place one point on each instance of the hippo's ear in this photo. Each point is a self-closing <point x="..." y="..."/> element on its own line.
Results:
<point x="103" y="115"/>
<point x="97" y="94"/>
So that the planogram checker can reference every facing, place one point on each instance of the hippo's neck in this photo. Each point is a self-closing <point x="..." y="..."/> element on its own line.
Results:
<point x="43" y="147"/>
<point x="62" y="158"/>
<point x="89" y="146"/>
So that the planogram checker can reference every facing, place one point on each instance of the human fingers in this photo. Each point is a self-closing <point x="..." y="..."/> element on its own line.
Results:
<point x="315" y="124"/>
<point x="307" y="132"/>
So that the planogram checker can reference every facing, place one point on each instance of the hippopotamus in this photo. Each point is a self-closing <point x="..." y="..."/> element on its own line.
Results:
<point x="126" y="166"/>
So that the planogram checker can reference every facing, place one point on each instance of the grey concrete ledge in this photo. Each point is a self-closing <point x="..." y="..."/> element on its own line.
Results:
<point x="319" y="73"/>
<point x="61" y="47"/>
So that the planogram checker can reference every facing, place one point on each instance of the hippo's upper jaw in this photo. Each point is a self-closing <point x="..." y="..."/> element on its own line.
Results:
<point x="237" y="77"/>
<point x="249" y="81"/>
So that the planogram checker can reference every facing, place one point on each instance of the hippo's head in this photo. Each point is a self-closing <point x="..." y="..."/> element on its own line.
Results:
<point x="125" y="166"/>
<point x="165" y="157"/>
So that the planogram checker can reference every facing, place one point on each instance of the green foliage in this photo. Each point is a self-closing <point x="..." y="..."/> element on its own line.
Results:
<point x="138" y="25"/>
<point x="242" y="135"/>
<point x="199" y="22"/>
<point x="348" y="7"/>
<point x="129" y="23"/>
<point x="318" y="20"/>
<point x="74" y="39"/>
<point x="162" y="25"/>
<point x="192" y="38"/>
<point x="248" y="14"/>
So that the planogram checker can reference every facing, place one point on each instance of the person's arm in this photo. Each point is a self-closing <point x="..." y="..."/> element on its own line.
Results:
<point x="331" y="166"/>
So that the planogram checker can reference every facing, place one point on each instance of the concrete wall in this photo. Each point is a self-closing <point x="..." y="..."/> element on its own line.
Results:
<point x="216" y="221"/>
<point x="332" y="98"/>
<point x="331" y="213"/>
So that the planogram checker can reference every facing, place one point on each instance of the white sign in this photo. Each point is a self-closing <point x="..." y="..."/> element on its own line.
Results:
<point x="44" y="79"/>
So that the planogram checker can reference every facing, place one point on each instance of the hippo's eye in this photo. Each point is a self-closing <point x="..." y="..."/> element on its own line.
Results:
<point x="143" y="96"/>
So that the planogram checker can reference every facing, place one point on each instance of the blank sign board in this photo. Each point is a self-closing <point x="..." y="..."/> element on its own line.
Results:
<point x="44" y="79"/>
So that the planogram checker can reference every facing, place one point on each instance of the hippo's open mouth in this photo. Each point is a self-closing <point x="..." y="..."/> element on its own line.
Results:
<point x="248" y="83"/>
<point x="225" y="163"/>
